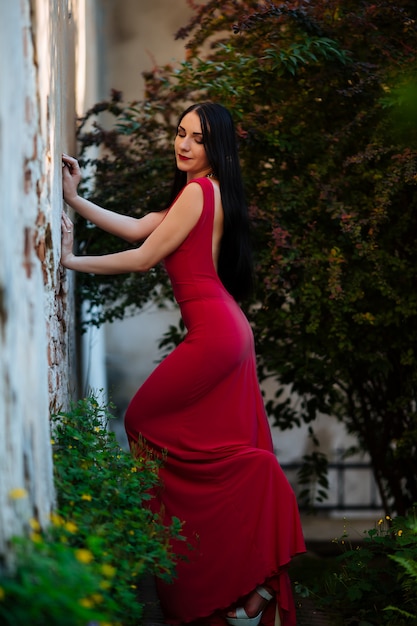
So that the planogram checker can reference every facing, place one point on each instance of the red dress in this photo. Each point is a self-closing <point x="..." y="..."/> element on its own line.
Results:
<point x="203" y="405"/>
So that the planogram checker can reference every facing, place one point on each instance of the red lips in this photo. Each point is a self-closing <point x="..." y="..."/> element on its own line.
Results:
<point x="183" y="158"/>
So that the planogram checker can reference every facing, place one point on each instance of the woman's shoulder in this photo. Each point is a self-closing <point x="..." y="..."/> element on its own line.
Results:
<point x="203" y="181"/>
<point x="195" y="189"/>
<point x="191" y="195"/>
<point x="203" y="184"/>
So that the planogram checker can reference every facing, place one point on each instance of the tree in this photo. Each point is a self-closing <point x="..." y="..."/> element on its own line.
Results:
<point x="323" y="100"/>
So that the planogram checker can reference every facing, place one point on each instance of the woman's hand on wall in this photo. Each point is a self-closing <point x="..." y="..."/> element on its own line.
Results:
<point x="67" y="241"/>
<point x="71" y="176"/>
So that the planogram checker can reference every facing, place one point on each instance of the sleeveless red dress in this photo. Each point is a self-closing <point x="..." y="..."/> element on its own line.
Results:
<point x="203" y="405"/>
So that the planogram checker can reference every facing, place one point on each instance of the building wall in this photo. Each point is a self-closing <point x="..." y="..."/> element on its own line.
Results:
<point x="139" y="35"/>
<point x="39" y="47"/>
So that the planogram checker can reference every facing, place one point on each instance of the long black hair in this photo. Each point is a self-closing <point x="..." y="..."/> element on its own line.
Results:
<point x="219" y="138"/>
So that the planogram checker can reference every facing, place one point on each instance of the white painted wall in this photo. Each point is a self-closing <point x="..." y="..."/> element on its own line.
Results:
<point x="39" y="44"/>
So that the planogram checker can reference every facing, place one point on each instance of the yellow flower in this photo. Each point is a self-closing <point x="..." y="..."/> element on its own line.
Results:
<point x="71" y="527"/>
<point x="108" y="570"/>
<point x="368" y="317"/>
<point x="52" y="442"/>
<point x="133" y="469"/>
<point x="56" y="519"/>
<point x="34" y="524"/>
<point x="84" y="556"/>
<point x="36" y="537"/>
<point x="105" y="584"/>
<point x="86" y="496"/>
<point x="399" y="533"/>
<point x="18" y="493"/>
<point x="388" y="518"/>
<point x="97" y="598"/>
<point x="131" y="532"/>
<point x="86" y="603"/>
<point x="381" y="521"/>
<point x="2" y="594"/>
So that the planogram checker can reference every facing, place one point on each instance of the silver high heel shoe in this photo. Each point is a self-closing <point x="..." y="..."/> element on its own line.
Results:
<point x="242" y="618"/>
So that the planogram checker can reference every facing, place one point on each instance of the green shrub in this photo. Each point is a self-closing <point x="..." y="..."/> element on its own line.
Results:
<point x="105" y="492"/>
<point x="103" y="538"/>
<point x="51" y="584"/>
<point x="407" y="562"/>
<point x="373" y="583"/>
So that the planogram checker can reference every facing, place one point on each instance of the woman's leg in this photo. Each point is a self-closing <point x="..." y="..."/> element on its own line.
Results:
<point x="255" y="602"/>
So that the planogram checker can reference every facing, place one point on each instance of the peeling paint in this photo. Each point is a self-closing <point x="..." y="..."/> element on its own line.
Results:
<point x="3" y="309"/>
<point x="27" y="254"/>
<point x="27" y="176"/>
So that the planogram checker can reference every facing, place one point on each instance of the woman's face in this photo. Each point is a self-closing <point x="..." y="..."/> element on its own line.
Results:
<point x="190" y="152"/>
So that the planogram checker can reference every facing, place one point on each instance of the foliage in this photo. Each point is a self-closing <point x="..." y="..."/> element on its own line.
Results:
<point x="408" y="577"/>
<point x="324" y="104"/>
<point x="49" y="585"/>
<point x="106" y="492"/>
<point x="89" y="564"/>
<point x="313" y="478"/>
<point x="367" y="583"/>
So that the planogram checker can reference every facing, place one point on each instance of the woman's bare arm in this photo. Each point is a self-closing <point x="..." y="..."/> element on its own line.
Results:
<point x="161" y="242"/>
<point x="130" y="229"/>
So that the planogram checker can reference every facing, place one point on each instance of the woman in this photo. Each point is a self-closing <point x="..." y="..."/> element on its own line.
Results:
<point x="202" y="404"/>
